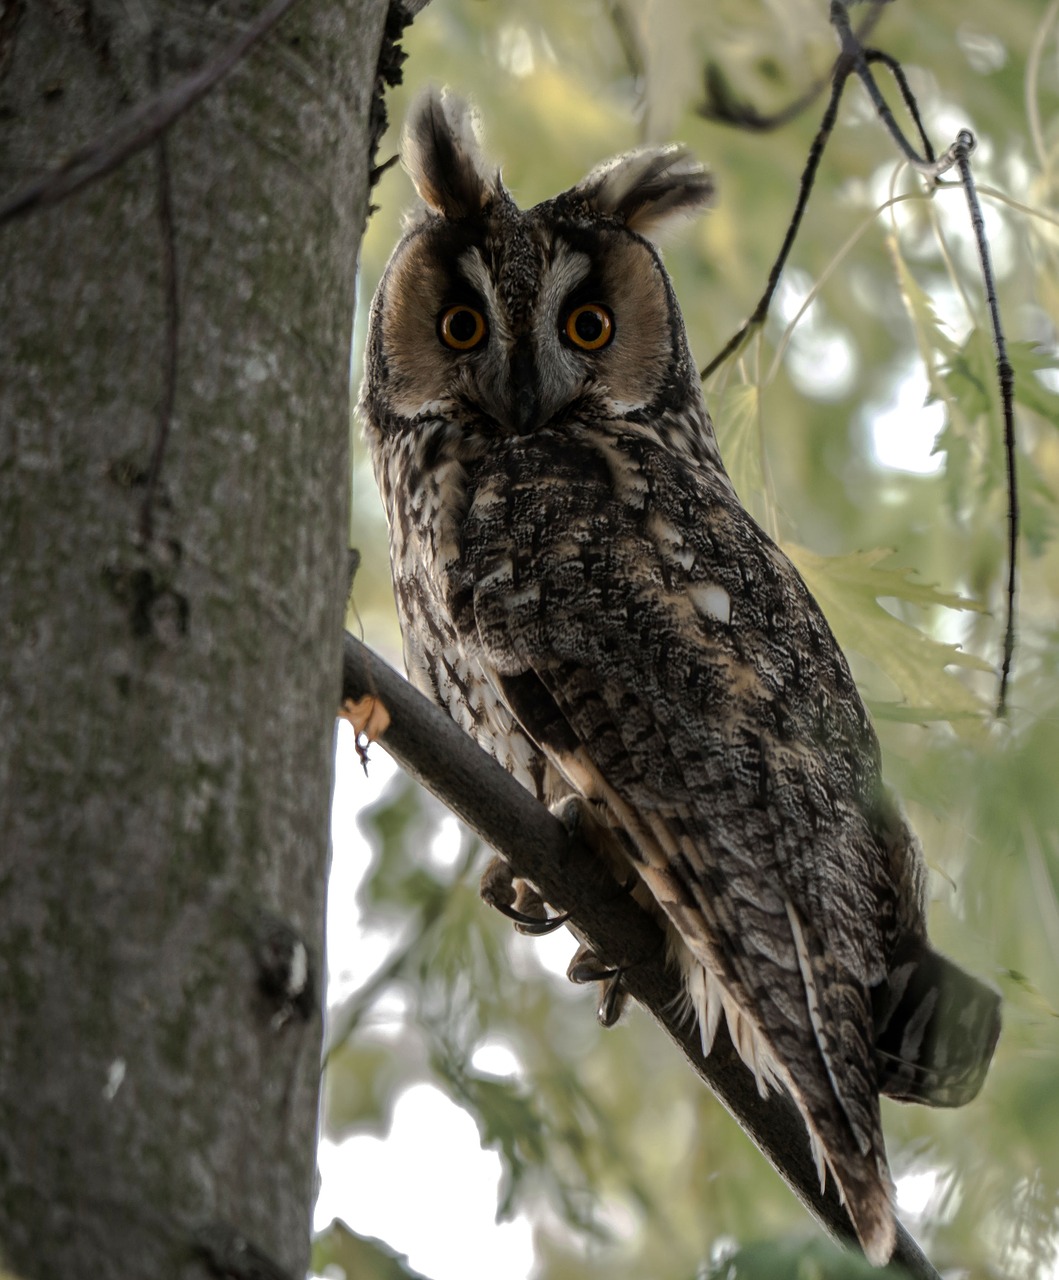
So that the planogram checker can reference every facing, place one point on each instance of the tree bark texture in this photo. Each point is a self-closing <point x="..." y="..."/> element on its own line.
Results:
<point x="173" y="523"/>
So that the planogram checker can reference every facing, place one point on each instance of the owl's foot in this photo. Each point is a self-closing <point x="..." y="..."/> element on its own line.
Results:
<point x="517" y="900"/>
<point x="367" y="715"/>
<point x="586" y="966"/>
<point x="370" y="720"/>
<point x="575" y="813"/>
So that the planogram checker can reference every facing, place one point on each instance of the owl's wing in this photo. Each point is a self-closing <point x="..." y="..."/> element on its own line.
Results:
<point x="668" y="659"/>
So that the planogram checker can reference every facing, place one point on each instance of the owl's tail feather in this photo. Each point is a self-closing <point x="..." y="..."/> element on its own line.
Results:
<point x="859" y="1170"/>
<point x="864" y="1187"/>
<point x="935" y="1029"/>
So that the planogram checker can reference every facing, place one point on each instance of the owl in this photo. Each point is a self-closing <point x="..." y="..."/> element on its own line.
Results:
<point x="580" y="588"/>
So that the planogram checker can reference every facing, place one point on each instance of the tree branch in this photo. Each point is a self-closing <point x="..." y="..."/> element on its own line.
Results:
<point x="440" y="756"/>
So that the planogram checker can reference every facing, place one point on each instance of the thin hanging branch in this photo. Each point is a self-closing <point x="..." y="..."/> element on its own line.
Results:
<point x="433" y="750"/>
<point x="962" y="149"/>
<point x="855" y="58"/>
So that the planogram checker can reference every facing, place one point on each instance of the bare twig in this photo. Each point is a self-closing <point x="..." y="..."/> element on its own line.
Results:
<point x="430" y="747"/>
<point x="721" y="106"/>
<point x="805" y="187"/>
<point x="962" y="149"/>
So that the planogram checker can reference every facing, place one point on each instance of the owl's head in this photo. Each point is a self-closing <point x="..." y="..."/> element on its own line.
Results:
<point x="509" y="320"/>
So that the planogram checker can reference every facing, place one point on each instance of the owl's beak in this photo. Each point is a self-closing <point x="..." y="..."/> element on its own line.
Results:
<point x="524" y="402"/>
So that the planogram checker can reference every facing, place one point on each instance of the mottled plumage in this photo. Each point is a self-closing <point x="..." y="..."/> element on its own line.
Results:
<point x="580" y="587"/>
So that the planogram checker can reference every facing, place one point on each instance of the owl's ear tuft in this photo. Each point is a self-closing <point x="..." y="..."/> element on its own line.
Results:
<point x="443" y="157"/>
<point x="649" y="189"/>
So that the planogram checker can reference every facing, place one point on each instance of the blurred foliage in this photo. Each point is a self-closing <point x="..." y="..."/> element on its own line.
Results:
<point x="354" y="1255"/>
<point x="626" y="1165"/>
<point x="766" y="1260"/>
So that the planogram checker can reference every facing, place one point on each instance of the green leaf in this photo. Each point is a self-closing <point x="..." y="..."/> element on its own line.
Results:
<point x="848" y="589"/>
<point x="1027" y="360"/>
<point x="931" y="336"/>
<point x="970" y="376"/>
<point x="738" y="427"/>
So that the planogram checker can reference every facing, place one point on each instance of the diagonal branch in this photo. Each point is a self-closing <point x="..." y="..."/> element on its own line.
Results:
<point x="440" y="756"/>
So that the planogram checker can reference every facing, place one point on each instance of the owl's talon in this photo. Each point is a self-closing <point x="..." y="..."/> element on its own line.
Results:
<point x="517" y="900"/>
<point x="586" y="966"/>
<point x="612" y="999"/>
<point x="497" y="885"/>
<point x="531" y="925"/>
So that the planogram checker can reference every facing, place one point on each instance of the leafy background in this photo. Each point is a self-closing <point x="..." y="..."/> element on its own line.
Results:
<point x="625" y="1166"/>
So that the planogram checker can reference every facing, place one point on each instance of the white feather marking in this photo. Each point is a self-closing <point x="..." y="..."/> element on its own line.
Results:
<point x="808" y="979"/>
<point x="711" y="600"/>
<point x="709" y="997"/>
<point x="816" y="1148"/>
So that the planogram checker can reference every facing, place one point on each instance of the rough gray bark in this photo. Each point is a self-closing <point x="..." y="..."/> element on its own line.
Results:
<point x="173" y="489"/>
<point x="429" y="746"/>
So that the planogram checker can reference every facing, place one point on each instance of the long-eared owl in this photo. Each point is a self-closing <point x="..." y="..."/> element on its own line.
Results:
<point x="580" y="588"/>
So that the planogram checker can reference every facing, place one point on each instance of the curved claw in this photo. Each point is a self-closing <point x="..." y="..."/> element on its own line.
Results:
<point x="533" y="925"/>
<point x="612" y="1000"/>
<point x="586" y="966"/>
<point x="517" y="900"/>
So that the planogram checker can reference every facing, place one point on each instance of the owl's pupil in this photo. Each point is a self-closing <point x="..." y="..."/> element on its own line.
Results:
<point x="589" y="326"/>
<point x="463" y="325"/>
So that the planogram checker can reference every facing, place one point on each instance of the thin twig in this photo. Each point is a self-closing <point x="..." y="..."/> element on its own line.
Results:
<point x="434" y="751"/>
<point x="911" y="105"/>
<point x="812" y="163"/>
<point x="719" y="108"/>
<point x="141" y="125"/>
<point x="854" y="58"/>
<point x="962" y="149"/>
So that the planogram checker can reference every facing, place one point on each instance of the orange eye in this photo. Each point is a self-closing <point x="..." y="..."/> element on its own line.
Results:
<point x="589" y="327"/>
<point x="461" y="328"/>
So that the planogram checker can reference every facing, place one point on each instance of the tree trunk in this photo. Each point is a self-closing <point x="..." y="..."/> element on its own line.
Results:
<point x="173" y="522"/>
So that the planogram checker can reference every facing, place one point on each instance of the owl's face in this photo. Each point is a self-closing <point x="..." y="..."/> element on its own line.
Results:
<point x="508" y="320"/>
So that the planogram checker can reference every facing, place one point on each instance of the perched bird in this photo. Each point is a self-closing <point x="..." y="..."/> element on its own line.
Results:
<point x="580" y="588"/>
